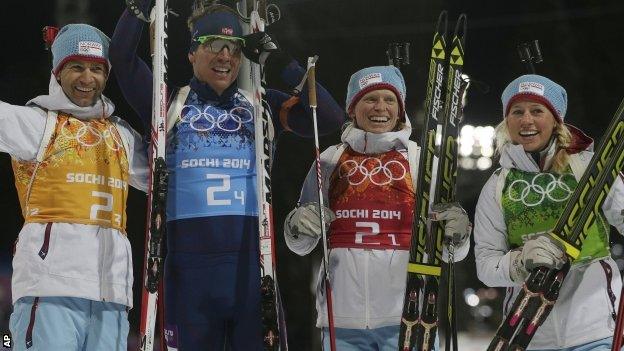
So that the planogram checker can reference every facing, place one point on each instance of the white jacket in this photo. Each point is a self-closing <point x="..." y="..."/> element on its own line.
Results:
<point x="84" y="261"/>
<point x="367" y="285"/>
<point x="583" y="312"/>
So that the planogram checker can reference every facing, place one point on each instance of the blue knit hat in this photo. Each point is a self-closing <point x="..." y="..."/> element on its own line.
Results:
<point x="221" y="23"/>
<point x="536" y="88"/>
<point x="375" y="78"/>
<point x="79" y="41"/>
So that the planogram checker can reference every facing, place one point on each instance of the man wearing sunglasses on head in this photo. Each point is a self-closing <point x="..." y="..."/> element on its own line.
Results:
<point x="212" y="276"/>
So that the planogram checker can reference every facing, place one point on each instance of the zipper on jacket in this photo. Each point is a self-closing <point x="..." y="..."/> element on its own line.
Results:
<point x="15" y="246"/>
<point x="556" y="323"/>
<point x="102" y="258"/>
<point x="608" y="276"/>
<point x="31" y="323"/>
<point x="43" y="252"/>
<point x="366" y="289"/>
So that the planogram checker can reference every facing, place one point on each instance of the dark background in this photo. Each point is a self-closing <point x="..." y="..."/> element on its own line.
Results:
<point x="581" y="43"/>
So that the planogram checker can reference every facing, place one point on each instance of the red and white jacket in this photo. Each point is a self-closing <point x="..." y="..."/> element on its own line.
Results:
<point x="66" y="257"/>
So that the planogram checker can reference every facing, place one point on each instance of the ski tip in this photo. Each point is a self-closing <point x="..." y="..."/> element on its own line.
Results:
<point x="442" y="25"/>
<point x="461" y="27"/>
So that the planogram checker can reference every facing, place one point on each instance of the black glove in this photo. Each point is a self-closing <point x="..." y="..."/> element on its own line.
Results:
<point x="258" y="46"/>
<point x="140" y="8"/>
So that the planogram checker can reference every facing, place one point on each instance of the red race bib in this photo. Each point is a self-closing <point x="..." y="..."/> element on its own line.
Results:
<point x="373" y="199"/>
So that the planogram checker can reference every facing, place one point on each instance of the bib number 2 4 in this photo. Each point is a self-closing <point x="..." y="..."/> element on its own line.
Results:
<point x="214" y="193"/>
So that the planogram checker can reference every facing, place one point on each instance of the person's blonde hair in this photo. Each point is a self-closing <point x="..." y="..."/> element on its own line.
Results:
<point x="563" y="140"/>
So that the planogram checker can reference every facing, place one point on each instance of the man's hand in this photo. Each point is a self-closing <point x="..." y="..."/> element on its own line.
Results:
<point x="258" y="46"/>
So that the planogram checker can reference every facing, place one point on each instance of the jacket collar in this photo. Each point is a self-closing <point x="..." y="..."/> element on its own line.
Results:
<point x="375" y="143"/>
<point x="207" y="94"/>
<point x="514" y="156"/>
<point x="56" y="100"/>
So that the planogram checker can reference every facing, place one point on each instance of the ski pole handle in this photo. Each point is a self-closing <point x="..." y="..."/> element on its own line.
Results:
<point x="530" y="53"/>
<point x="398" y="54"/>
<point x="312" y="85"/>
<point x="49" y="34"/>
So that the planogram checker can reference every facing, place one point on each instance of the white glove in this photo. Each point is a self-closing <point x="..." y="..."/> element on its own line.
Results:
<point x="305" y="220"/>
<point x="457" y="226"/>
<point x="541" y="251"/>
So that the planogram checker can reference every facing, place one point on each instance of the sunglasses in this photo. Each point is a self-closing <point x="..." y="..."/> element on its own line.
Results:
<point x="216" y="43"/>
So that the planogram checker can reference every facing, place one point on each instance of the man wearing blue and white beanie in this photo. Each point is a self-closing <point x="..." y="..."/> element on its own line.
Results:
<point x="73" y="161"/>
<point x="212" y="272"/>
<point x="368" y="182"/>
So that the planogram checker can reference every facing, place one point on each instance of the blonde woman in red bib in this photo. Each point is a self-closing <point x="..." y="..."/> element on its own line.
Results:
<point x="368" y="185"/>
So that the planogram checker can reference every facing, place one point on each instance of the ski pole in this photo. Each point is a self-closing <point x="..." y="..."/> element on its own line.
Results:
<point x="398" y="54"/>
<point x="312" y="100"/>
<point x="530" y="53"/>
<point x="618" y="332"/>
<point x="451" y="322"/>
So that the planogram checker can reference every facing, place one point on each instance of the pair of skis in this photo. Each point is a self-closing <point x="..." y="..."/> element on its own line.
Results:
<point x="540" y="291"/>
<point x="157" y="188"/>
<point x="443" y="106"/>
<point x="273" y="325"/>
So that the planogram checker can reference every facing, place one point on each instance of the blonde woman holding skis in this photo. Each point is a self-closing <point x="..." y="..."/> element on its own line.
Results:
<point x="541" y="161"/>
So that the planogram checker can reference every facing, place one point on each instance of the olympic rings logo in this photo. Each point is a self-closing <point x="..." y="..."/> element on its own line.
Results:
<point x="380" y="174"/>
<point x="210" y="118"/>
<point x="88" y="136"/>
<point x="556" y="190"/>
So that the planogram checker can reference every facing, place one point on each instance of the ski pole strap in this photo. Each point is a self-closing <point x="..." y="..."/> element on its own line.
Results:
<point x="570" y="249"/>
<point x="424" y="269"/>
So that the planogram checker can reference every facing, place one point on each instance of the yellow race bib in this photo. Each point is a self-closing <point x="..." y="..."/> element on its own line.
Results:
<point x="82" y="178"/>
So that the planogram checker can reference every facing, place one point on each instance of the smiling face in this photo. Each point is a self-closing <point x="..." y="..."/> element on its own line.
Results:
<point x="83" y="81"/>
<point x="219" y="70"/>
<point x="377" y="111"/>
<point x="530" y="124"/>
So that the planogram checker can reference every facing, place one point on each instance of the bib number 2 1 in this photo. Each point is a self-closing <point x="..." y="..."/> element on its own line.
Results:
<point x="373" y="230"/>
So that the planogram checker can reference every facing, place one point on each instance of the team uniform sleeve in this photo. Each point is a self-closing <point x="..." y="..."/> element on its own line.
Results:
<point x="490" y="235"/>
<point x="304" y="244"/>
<point x="21" y="130"/>
<point x="293" y="113"/>
<point x="133" y="75"/>
<point x="138" y="165"/>
<point x="613" y="207"/>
